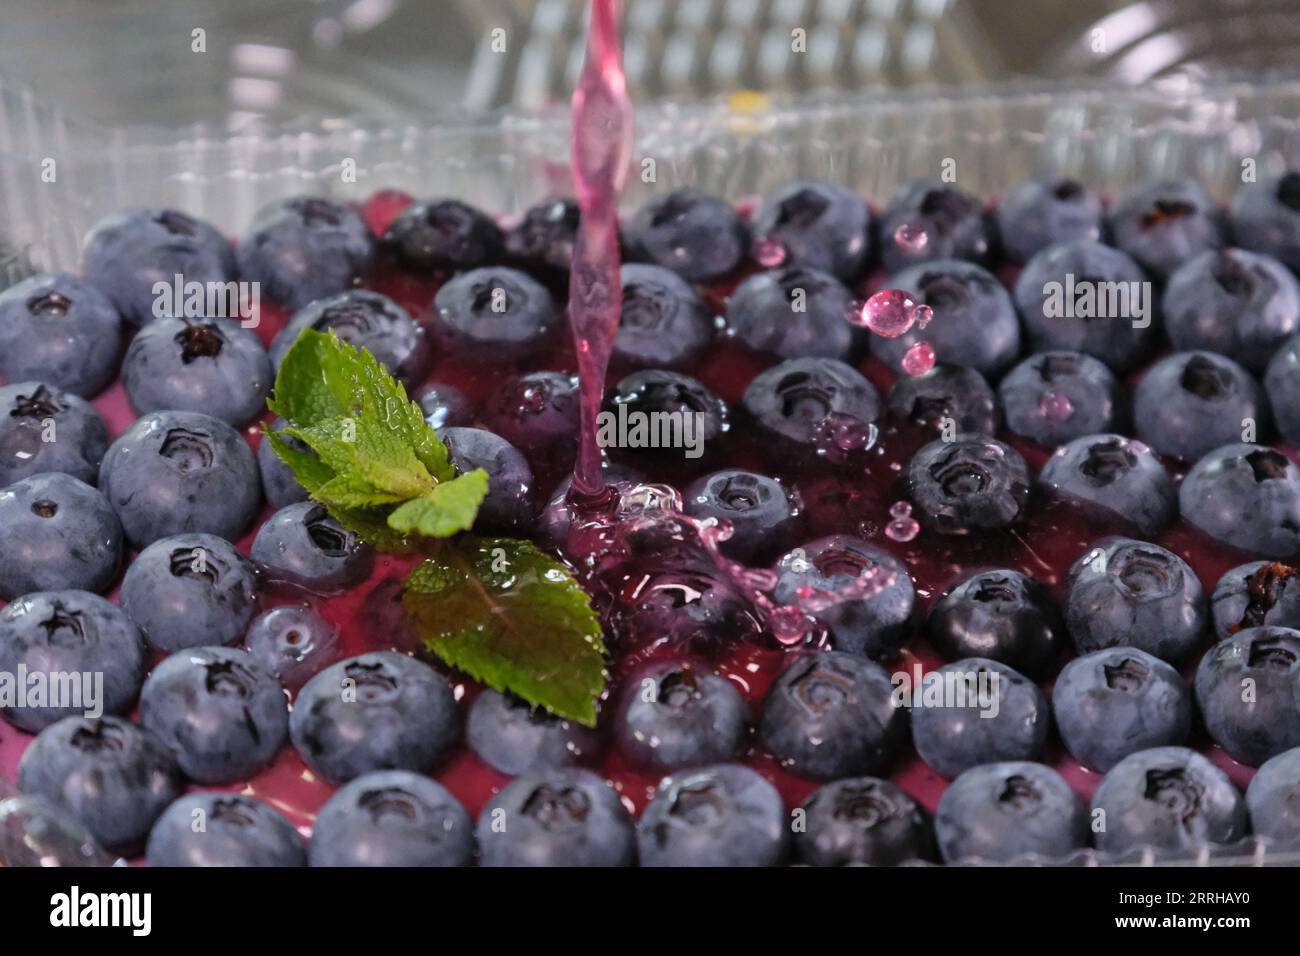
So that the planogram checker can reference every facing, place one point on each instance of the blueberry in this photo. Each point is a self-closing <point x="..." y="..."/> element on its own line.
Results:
<point x="1039" y="213"/>
<point x="445" y="406"/>
<point x="562" y="817"/>
<point x="793" y="312"/>
<point x="1266" y="217"/>
<point x="831" y="714"/>
<point x="514" y="737"/>
<point x="1245" y="496"/>
<point x="697" y="418"/>
<point x="862" y="820"/>
<point x="994" y="714"/>
<point x="537" y="413"/>
<point x="723" y="815"/>
<point x="1001" y="615"/>
<point x="673" y="715"/>
<point x="500" y="312"/>
<point x="818" y="225"/>
<point x="378" y="711"/>
<point x="1255" y="594"/>
<point x="1117" y="701"/>
<point x="873" y="625"/>
<point x="759" y="510"/>
<point x="113" y="775"/>
<point x="1273" y="799"/>
<point x="1241" y="304"/>
<point x="1000" y="812"/>
<point x="556" y="517"/>
<point x="127" y="253"/>
<point x="947" y="391"/>
<point x="511" y="502"/>
<point x="190" y="590"/>
<point x="444" y="234"/>
<point x="292" y="642"/>
<point x="1248" y="689"/>
<point x="543" y="240"/>
<point x="173" y="472"/>
<point x="1082" y="296"/>
<point x="664" y="321"/>
<point x="392" y="818"/>
<point x="696" y="236"/>
<point x="1112" y="477"/>
<point x="305" y="248"/>
<point x="70" y="632"/>
<point x="1166" y="798"/>
<point x="1126" y="593"/>
<point x="1282" y="386"/>
<point x="279" y="485"/>
<point x="1055" y="397"/>
<point x="303" y="545"/>
<point x="1191" y="403"/>
<point x="791" y="400"/>
<point x="58" y="533"/>
<point x="1165" y="223"/>
<point x="954" y="223"/>
<point x="207" y="365"/>
<point x="61" y="331"/>
<point x="974" y="321"/>
<point x="973" y="483"/>
<point x="366" y="320"/>
<point x="35" y="832"/>
<point x="43" y="428"/>
<point x="236" y="831"/>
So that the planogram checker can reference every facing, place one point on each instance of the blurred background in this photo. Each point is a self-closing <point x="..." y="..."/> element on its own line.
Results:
<point x="128" y="62"/>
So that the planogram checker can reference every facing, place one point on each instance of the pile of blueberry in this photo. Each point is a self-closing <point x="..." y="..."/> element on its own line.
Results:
<point x="1073" y="476"/>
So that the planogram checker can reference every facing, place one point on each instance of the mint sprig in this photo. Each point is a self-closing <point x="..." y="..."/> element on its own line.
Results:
<point x="496" y="608"/>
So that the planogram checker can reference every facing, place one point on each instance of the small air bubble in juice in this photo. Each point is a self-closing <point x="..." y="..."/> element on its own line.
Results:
<point x="923" y="314"/>
<point x="902" y="526"/>
<point x="910" y="237"/>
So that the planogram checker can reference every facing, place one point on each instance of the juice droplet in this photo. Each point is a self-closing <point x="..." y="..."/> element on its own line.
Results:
<point x="768" y="252"/>
<point x="910" y="237"/>
<point x="923" y="314"/>
<point x="889" y="313"/>
<point x="789" y="624"/>
<point x="838" y="434"/>
<point x="919" y="359"/>
<point x="1055" y="406"/>
<point x="903" y="527"/>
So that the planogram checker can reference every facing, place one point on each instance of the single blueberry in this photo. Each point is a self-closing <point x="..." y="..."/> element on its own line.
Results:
<point x="674" y="715"/>
<point x="1163" y="224"/>
<point x="863" y="820"/>
<point x="237" y="831"/>
<point x="511" y="502"/>
<point x="445" y="406"/>
<point x="790" y="401"/>
<point x="392" y="818"/>
<point x="35" y="832"/>
<point x="1255" y="594"/>
<point x="303" y="545"/>
<point x="129" y="252"/>
<point x="305" y="248"/>
<point x="174" y="472"/>
<point x="543" y="240"/>
<point x="43" y="428"/>
<point x="515" y="737"/>
<point x="664" y="322"/>
<point x="221" y="715"/>
<point x="58" y="533"/>
<point x="292" y="642"/>
<point x="190" y="590"/>
<point x="113" y="775"/>
<point x="1126" y="593"/>
<point x="1055" y="397"/>
<point x="973" y="483"/>
<point x="377" y="711"/>
<point x="954" y="223"/>
<point x="1038" y="213"/>
<point x="444" y="234"/>
<point x="500" y="312"/>
<point x="722" y="815"/>
<point x="818" y="225"/>
<point x="279" y="485"/>
<point x="537" y="413"/>
<point x="832" y="714"/>
<point x="1001" y="615"/>
<point x="952" y="392"/>
<point x="1266" y="217"/>
<point x="1117" y="701"/>
<point x="1245" y="496"/>
<point x="1190" y="403"/>
<point x="1282" y="386"/>
<point x="697" y="236"/>
<point x="793" y="312"/>
<point x="1248" y="689"/>
<point x="760" y="511"/>
<point x="70" y="632"/>
<point x="1112" y="477"/>
<point x="560" y="817"/>
<point x="663" y="414"/>
<point x="1273" y="799"/>
<point x="61" y="331"/>
<point x="366" y="320"/>
<point x="1002" y="812"/>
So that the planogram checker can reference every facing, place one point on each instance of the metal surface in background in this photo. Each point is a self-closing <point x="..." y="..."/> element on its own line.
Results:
<point x="131" y="62"/>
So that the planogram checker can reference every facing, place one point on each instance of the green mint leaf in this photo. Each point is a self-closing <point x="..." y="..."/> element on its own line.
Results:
<point x="446" y="510"/>
<point x="509" y="616"/>
<point x="310" y="471"/>
<point x="367" y="454"/>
